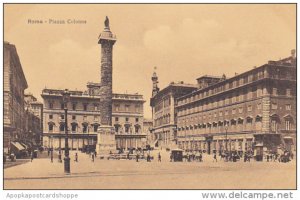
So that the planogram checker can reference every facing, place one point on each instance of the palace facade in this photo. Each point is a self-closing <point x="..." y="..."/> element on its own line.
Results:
<point x="84" y="118"/>
<point x="254" y="109"/>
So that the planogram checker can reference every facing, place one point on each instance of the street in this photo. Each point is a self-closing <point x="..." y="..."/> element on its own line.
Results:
<point x="129" y="174"/>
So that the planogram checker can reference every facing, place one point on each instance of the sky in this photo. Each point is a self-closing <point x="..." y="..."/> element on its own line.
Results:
<point x="183" y="41"/>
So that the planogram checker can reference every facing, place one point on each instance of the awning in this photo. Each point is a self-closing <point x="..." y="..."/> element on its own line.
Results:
<point x="23" y="145"/>
<point x="176" y="150"/>
<point x="18" y="146"/>
<point x="288" y="140"/>
<point x="259" y="145"/>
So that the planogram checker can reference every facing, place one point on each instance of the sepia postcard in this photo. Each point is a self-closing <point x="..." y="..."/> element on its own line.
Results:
<point x="149" y="96"/>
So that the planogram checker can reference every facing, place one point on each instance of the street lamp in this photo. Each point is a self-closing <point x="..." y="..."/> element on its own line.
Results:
<point x="66" y="96"/>
<point x="226" y="128"/>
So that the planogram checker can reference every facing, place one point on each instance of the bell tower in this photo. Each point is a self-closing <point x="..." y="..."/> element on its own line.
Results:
<point x="154" y="79"/>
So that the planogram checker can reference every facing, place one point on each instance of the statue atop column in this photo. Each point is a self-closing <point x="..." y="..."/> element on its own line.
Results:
<point x="106" y="23"/>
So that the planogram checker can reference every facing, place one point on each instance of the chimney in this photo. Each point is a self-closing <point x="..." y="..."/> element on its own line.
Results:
<point x="293" y="53"/>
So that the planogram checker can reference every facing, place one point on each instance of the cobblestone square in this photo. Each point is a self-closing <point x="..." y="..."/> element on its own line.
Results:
<point x="129" y="174"/>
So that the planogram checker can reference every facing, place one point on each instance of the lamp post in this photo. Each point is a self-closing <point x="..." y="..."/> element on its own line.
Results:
<point x="59" y="150"/>
<point x="226" y="128"/>
<point x="66" y="97"/>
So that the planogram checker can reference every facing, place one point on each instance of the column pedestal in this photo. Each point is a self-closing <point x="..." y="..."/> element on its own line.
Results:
<point x="106" y="141"/>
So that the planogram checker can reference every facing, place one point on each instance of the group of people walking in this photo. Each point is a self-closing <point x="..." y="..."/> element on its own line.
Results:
<point x="92" y="155"/>
<point x="148" y="157"/>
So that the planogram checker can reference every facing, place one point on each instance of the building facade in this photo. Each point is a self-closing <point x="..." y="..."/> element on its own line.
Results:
<point x="148" y="126"/>
<point x="253" y="109"/>
<point x="14" y="84"/>
<point x="34" y="119"/>
<point x="163" y="111"/>
<point x="84" y="118"/>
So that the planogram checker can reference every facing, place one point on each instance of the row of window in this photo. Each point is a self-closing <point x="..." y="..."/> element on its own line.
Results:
<point x="127" y="108"/>
<point x="127" y="119"/>
<point x="85" y="107"/>
<point x="247" y="93"/>
<point x="274" y="106"/>
<point x="288" y="122"/>
<point x="242" y="81"/>
<point x="232" y="122"/>
<point x="74" y="127"/>
<point x="166" y="102"/>
<point x="85" y="128"/>
<point x="127" y="129"/>
<point x="162" y="120"/>
<point x="74" y="106"/>
<point x="96" y="117"/>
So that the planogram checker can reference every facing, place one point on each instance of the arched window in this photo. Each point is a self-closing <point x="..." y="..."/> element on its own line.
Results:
<point x="74" y="127"/>
<point x="50" y="126"/>
<point x="215" y="124"/>
<point x="96" y="127"/>
<point x="240" y="120"/>
<point x="136" y="129"/>
<point x="117" y="128"/>
<point x="62" y="127"/>
<point x="220" y="123"/>
<point x="288" y="119"/>
<point x="127" y="128"/>
<point x="258" y="118"/>
<point x="85" y="128"/>
<point x="233" y="122"/>
<point x="249" y="119"/>
<point x="274" y="122"/>
<point x="288" y="125"/>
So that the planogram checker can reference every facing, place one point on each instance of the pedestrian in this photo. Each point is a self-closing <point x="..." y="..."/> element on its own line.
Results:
<point x="12" y="157"/>
<point x="200" y="157"/>
<point x="276" y="156"/>
<point x="215" y="157"/>
<point x="128" y="156"/>
<point x="159" y="157"/>
<point x="31" y="158"/>
<point x="268" y="157"/>
<point x="187" y="157"/>
<point x="148" y="158"/>
<point x="76" y="157"/>
<point x="95" y="154"/>
<point x="93" y="157"/>
<point x="171" y="157"/>
<point x="51" y="156"/>
<point x="137" y="157"/>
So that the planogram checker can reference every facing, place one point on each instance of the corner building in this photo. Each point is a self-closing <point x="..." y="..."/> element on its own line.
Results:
<point x="164" y="116"/>
<point x="255" y="109"/>
<point x="14" y="84"/>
